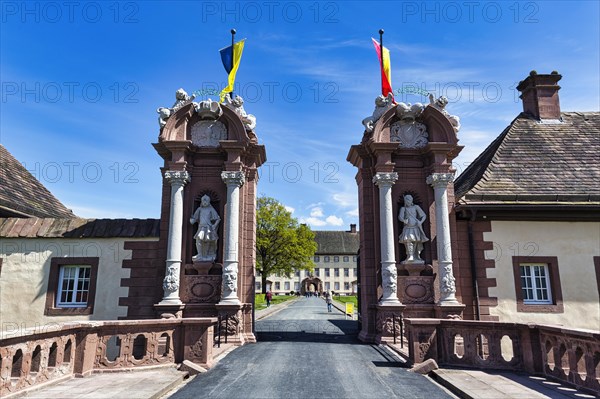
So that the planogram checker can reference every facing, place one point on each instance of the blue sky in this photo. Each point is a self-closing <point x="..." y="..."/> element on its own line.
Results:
<point x="81" y="82"/>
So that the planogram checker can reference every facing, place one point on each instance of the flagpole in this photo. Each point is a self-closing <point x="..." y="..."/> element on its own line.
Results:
<point x="381" y="56"/>
<point x="232" y="55"/>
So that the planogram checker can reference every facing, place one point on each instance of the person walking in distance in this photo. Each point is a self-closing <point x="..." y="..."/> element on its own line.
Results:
<point x="268" y="297"/>
<point x="329" y="301"/>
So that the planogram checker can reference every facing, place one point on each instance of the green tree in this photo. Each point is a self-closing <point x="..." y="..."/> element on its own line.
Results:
<point x="282" y="244"/>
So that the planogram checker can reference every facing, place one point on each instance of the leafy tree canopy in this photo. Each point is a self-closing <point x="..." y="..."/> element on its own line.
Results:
<point x="282" y="244"/>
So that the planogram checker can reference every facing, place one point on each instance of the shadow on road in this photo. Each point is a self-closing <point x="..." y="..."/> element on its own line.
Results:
<point x="329" y="331"/>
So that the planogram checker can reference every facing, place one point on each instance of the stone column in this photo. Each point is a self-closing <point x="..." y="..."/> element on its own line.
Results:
<point x="389" y="273"/>
<point x="233" y="180"/>
<point x="178" y="179"/>
<point x="439" y="182"/>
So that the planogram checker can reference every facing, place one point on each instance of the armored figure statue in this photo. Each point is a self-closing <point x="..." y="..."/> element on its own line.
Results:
<point x="412" y="235"/>
<point x="206" y="236"/>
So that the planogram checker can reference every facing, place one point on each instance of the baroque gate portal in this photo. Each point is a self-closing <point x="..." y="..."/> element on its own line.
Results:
<point x="404" y="166"/>
<point x="208" y="214"/>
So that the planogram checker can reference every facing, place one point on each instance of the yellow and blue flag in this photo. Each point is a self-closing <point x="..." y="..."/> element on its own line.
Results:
<point x="231" y="56"/>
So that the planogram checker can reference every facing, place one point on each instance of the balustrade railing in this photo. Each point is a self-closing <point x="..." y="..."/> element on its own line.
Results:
<point x="569" y="355"/>
<point x="41" y="355"/>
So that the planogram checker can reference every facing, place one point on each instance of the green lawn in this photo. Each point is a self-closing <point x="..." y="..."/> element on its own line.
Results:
<point x="345" y="299"/>
<point x="261" y="303"/>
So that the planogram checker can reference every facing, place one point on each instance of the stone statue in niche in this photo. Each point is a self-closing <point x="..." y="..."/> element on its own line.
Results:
<point x="206" y="236"/>
<point x="412" y="235"/>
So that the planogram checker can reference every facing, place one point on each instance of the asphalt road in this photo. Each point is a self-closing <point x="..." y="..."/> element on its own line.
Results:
<point x="306" y="352"/>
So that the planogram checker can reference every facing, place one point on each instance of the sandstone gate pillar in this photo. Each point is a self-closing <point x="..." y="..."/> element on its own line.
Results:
<point x="412" y="142"/>
<point x="213" y="216"/>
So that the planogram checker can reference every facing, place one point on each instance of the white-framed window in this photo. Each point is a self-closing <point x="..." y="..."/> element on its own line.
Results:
<point x="257" y="286"/>
<point x="297" y="273"/>
<point x="277" y="285"/>
<point x="296" y="286"/>
<point x="535" y="283"/>
<point x="354" y="259"/>
<point x="286" y="286"/>
<point x="328" y="286"/>
<point x="336" y="258"/>
<point x="336" y="272"/>
<point x="347" y="286"/>
<point x="316" y="258"/>
<point x="326" y="258"/>
<point x="73" y="286"/>
<point x="346" y="272"/>
<point x="336" y="286"/>
<point x="317" y="272"/>
<point x="346" y="259"/>
<point x="327" y="273"/>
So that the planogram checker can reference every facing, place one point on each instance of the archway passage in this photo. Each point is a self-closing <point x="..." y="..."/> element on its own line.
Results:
<point x="311" y="284"/>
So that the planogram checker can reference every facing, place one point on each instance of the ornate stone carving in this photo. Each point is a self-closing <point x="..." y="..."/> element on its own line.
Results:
<point x="233" y="178"/>
<point x="385" y="178"/>
<point x="177" y="177"/>
<point x="163" y="115"/>
<point x="448" y="285"/>
<point x="171" y="280"/>
<point x="230" y="323"/>
<point x="382" y="104"/>
<point x="181" y="99"/>
<point x="389" y="280"/>
<point x="206" y="236"/>
<point x="440" y="179"/>
<point x="408" y="113"/>
<point x="237" y="104"/>
<point x="230" y="282"/>
<point x="440" y="104"/>
<point x="418" y="289"/>
<point x="412" y="235"/>
<point x="385" y="323"/>
<point x="208" y="109"/>
<point x="208" y="133"/>
<point x="197" y="348"/>
<point x="407" y="131"/>
<point x="201" y="289"/>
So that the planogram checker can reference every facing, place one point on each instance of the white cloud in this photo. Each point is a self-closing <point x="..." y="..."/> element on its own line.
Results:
<point x="345" y="199"/>
<point x="312" y="221"/>
<point x="334" y="220"/>
<point x="353" y="213"/>
<point x="289" y="209"/>
<point x="316" y="212"/>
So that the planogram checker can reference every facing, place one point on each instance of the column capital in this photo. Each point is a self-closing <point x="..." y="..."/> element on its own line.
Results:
<point x="440" y="179"/>
<point x="385" y="178"/>
<point x="177" y="177"/>
<point x="233" y="178"/>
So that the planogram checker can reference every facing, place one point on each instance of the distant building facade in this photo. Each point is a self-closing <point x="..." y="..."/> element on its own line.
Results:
<point x="336" y="261"/>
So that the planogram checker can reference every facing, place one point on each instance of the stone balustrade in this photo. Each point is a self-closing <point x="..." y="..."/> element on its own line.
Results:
<point x="61" y="351"/>
<point x="569" y="355"/>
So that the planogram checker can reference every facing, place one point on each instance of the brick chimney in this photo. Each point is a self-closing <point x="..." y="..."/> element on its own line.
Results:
<point x="540" y="95"/>
<point x="353" y="228"/>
